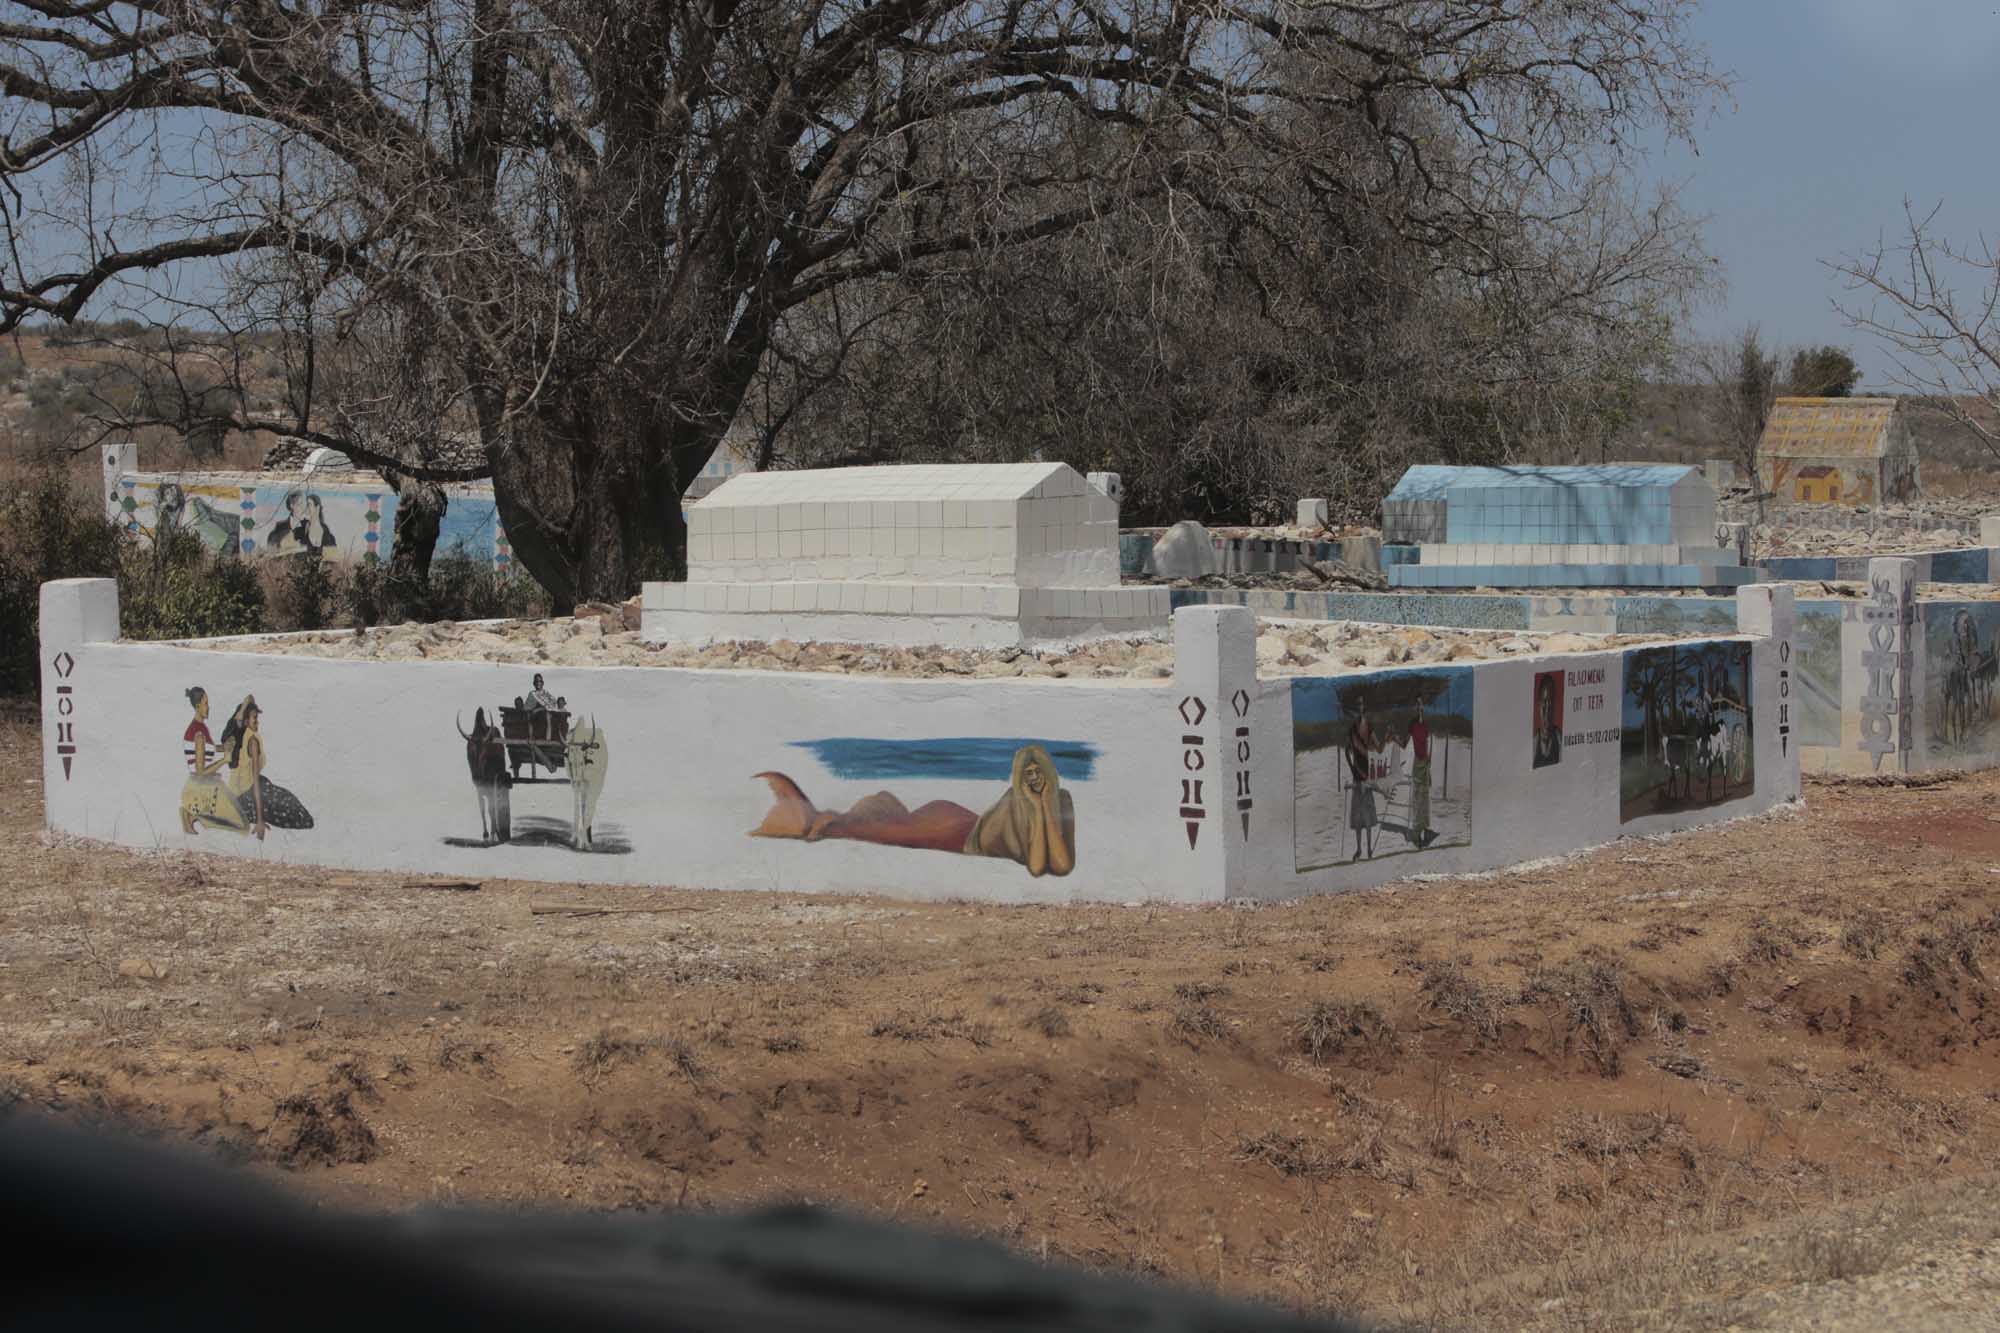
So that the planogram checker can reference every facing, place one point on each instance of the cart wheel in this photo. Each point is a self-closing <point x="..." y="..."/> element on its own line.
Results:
<point x="503" y="814"/>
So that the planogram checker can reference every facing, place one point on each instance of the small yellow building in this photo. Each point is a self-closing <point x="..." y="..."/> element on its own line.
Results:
<point x="1847" y="451"/>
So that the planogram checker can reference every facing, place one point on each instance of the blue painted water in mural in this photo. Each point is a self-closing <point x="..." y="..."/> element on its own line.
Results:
<point x="975" y="758"/>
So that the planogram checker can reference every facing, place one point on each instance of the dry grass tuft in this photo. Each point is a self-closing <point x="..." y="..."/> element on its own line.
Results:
<point x="1588" y="995"/>
<point x="1773" y="941"/>
<point x="1193" y="1023"/>
<point x="1288" y="1154"/>
<point x="605" y="1052"/>
<point x="1048" y="1020"/>
<point x="1329" y="1028"/>
<point x="907" y="1025"/>
<point x="1449" y="989"/>
<point x="320" y="1129"/>
<point x="1868" y="933"/>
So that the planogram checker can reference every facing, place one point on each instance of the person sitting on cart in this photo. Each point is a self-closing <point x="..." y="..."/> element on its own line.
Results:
<point x="541" y="704"/>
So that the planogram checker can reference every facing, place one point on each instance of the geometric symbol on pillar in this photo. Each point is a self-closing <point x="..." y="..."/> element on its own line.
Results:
<point x="1199" y="710"/>
<point x="64" y="664"/>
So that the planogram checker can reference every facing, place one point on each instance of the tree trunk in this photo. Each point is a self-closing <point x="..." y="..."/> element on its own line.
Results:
<point x="591" y="522"/>
<point x="420" y="507"/>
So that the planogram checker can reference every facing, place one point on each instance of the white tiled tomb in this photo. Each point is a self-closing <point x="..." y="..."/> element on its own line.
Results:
<point x="957" y="554"/>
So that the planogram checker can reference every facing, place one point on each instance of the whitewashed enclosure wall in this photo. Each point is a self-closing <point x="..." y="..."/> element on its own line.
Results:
<point x="1189" y="790"/>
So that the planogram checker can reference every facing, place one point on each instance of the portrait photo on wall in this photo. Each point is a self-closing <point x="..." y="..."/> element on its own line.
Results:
<point x="1547" y="737"/>
<point x="1382" y="765"/>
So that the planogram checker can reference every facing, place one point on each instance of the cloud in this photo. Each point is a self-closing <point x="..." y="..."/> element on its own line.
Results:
<point x="1947" y="38"/>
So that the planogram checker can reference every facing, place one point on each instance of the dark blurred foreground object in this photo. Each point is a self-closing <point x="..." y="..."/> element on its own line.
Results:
<point x="106" y="1232"/>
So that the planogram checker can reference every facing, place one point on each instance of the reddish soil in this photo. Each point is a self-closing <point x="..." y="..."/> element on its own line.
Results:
<point x="1609" y="1091"/>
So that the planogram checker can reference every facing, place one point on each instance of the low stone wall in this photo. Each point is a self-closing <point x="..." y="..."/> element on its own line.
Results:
<point x="1253" y="555"/>
<point x="1211" y="785"/>
<point x="1964" y="564"/>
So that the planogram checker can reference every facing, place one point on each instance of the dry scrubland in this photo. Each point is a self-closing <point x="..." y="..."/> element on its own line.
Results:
<point x="1746" y="1075"/>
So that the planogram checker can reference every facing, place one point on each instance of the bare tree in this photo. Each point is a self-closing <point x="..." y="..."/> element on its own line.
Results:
<point x="1935" y="306"/>
<point x="1738" y="383"/>
<point x="600" y="213"/>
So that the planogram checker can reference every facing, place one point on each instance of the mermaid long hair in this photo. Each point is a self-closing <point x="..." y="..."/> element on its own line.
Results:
<point x="238" y="728"/>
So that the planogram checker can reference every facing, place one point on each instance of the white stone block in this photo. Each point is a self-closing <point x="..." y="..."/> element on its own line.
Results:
<point x="1184" y="551"/>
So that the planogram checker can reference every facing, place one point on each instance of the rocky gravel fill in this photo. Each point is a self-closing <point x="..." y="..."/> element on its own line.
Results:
<point x="1284" y="648"/>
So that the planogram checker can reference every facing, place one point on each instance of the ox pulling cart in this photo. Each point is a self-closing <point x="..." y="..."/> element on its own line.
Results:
<point x="533" y="744"/>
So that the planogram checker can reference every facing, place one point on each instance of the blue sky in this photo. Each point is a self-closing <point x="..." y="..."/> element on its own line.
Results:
<point x="1842" y="109"/>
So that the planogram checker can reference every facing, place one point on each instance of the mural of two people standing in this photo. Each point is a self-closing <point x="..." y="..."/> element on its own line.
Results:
<point x="1686" y="741"/>
<point x="1382" y="754"/>
<point x="226" y="785"/>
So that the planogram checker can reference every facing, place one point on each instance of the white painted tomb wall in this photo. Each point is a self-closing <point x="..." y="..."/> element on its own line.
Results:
<point x="1210" y="786"/>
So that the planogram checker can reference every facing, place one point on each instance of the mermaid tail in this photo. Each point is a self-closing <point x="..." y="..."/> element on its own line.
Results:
<point x="281" y="808"/>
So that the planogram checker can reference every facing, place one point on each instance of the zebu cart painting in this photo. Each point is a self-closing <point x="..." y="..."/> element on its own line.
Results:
<point x="536" y="742"/>
<point x="1962" y="659"/>
<point x="1687" y="738"/>
<point x="1382" y="765"/>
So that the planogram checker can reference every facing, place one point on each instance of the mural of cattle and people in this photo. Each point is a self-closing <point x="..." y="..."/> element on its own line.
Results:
<point x="1962" y="660"/>
<point x="535" y="742"/>
<point x="1687" y="739"/>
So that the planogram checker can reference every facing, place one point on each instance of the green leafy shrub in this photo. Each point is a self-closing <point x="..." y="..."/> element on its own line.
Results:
<point x="177" y="589"/>
<point x="50" y="528"/>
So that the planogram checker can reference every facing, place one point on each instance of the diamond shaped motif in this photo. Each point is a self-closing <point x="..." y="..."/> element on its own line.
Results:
<point x="64" y="664"/>
<point x="1240" y="701"/>
<point x="1193" y="710"/>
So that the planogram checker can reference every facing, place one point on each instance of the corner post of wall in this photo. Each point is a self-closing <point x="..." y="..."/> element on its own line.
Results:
<point x="1215" y="690"/>
<point x="118" y="459"/>
<point x="1769" y="611"/>
<point x="75" y="613"/>
<point x="1885" y="665"/>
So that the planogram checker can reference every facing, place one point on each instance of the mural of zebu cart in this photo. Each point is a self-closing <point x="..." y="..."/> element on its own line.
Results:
<point x="534" y="744"/>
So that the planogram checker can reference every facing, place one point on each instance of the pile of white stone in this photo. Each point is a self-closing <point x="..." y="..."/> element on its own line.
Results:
<point x="1284" y="648"/>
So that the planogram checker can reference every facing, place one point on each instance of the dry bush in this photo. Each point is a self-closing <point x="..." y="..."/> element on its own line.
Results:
<point x="907" y="1025"/>
<point x="1193" y="1022"/>
<point x="1329" y="1028"/>
<point x="1199" y="992"/>
<point x="1289" y="1154"/>
<point x="1837" y="1254"/>
<point x="1944" y="948"/>
<point x="1449" y="989"/>
<point x="320" y="1129"/>
<point x="1774" y="941"/>
<point x="359" y="1081"/>
<point x="1868" y="933"/>
<point x="1048" y="1020"/>
<point x="1588" y="995"/>
<point x="605" y="1051"/>
<point x="459" y="1053"/>
<point x="784" y="1043"/>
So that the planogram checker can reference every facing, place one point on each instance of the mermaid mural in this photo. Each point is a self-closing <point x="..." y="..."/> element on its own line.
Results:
<point x="226" y="785"/>
<point x="1033" y="823"/>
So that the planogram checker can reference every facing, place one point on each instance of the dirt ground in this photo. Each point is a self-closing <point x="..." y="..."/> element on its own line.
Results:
<point x="1743" y="1076"/>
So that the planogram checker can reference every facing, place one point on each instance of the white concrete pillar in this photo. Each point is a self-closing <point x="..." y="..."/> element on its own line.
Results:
<point x="118" y="459"/>
<point x="1989" y="530"/>
<point x="1107" y="484"/>
<point x="1214" y="776"/>
<point x="1882" y="660"/>
<point x="1769" y="611"/>
<point x="75" y="613"/>
<point x="1312" y="513"/>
